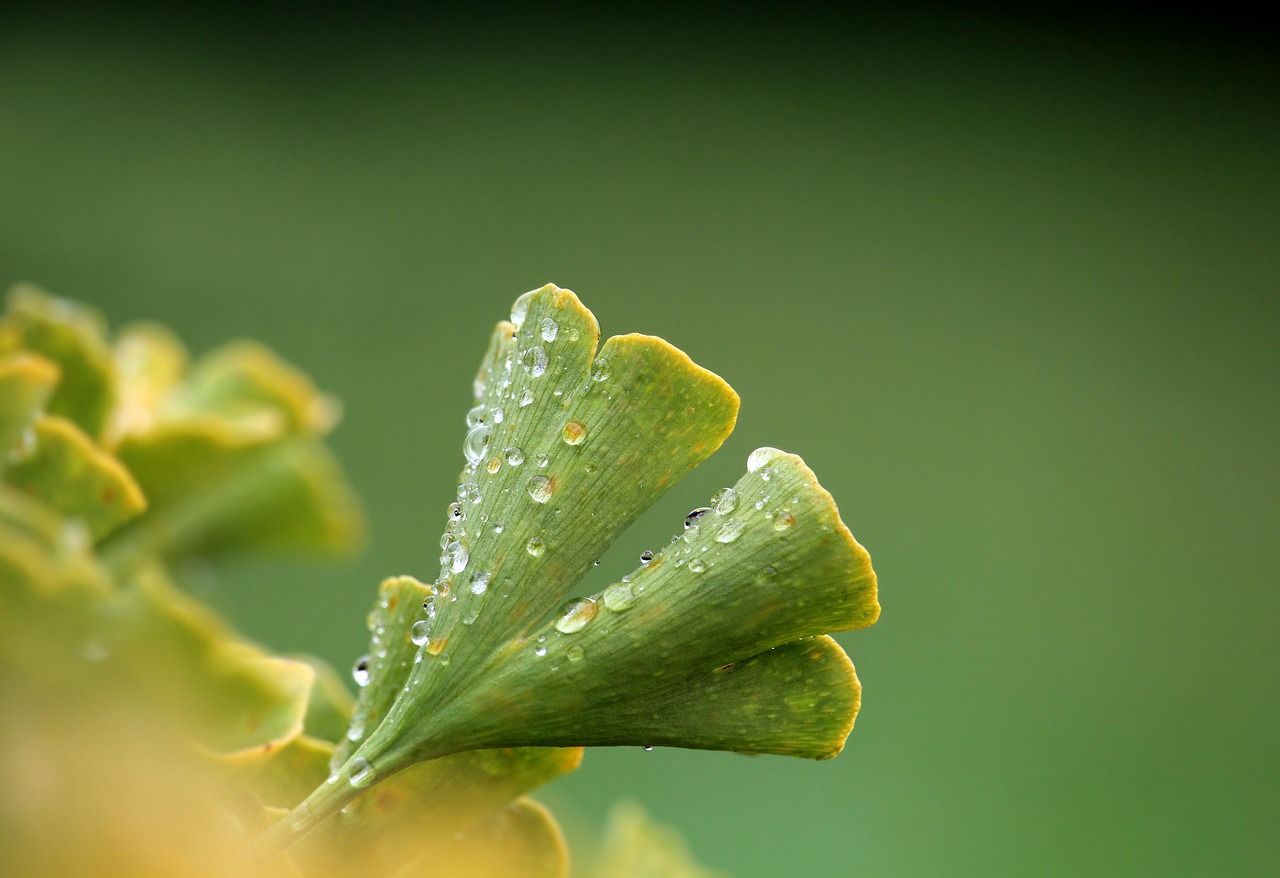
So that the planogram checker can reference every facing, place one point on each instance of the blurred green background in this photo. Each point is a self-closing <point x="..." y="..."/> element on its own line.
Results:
<point x="1010" y="288"/>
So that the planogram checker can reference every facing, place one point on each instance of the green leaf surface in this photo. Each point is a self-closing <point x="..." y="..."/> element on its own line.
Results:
<point x="64" y="468"/>
<point x="74" y="337"/>
<point x="26" y="383"/>
<point x="292" y="771"/>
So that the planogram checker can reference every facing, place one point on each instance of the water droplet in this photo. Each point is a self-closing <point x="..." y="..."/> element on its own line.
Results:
<point x="477" y="416"/>
<point x="498" y="527"/>
<point x="782" y="519"/>
<point x="601" y="370"/>
<point x="575" y="653"/>
<point x="498" y="415"/>
<point x="770" y="572"/>
<point x="436" y="646"/>
<point x="494" y="464"/>
<point x="697" y="565"/>
<point x="550" y="329"/>
<point x="455" y="512"/>
<point x="520" y="309"/>
<point x="646" y="556"/>
<point x="691" y="532"/>
<point x="442" y="588"/>
<point x="575" y="615"/>
<point x="471" y="616"/>
<point x="760" y="457"/>
<point x="535" y="546"/>
<point x="479" y="582"/>
<point x="590" y="468"/>
<point x="540" y="651"/>
<point x="420" y="632"/>
<point x="725" y="501"/>
<point x="460" y="558"/>
<point x="429" y="606"/>
<point x="361" y="772"/>
<point x="355" y="731"/>
<point x="534" y="360"/>
<point x="360" y="671"/>
<point x="647" y="748"/>
<point x="541" y="459"/>
<point x="540" y="489"/>
<point x="476" y="440"/>
<point x="618" y="597"/>
<point x="514" y="456"/>
<point x="526" y="398"/>
<point x="695" y="515"/>
<point x="730" y="532"/>
<point x="574" y="433"/>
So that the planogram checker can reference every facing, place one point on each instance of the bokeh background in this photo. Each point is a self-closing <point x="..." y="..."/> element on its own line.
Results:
<point x="1008" y="284"/>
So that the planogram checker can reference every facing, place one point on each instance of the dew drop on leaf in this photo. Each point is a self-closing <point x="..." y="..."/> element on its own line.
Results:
<point x="514" y="456"/>
<point x="360" y="671"/>
<point x="534" y="360"/>
<point x="540" y="489"/>
<point x="480" y="582"/>
<point x="473" y="446"/>
<point x="575" y="653"/>
<point x="420" y="632"/>
<point x="760" y="457"/>
<point x="782" y="520"/>
<point x="575" y="615"/>
<point x="550" y="329"/>
<point x="646" y="556"/>
<point x="541" y="459"/>
<point x="730" y="532"/>
<point x="476" y="416"/>
<point x="494" y="464"/>
<point x="460" y="557"/>
<point x="526" y="398"/>
<point x="697" y="565"/>
<point x="601" y="370"/>
<point x="574" y="433"/>
<point x="361" y="772"/>
<point x="618" y="598"/>
<point x="695" y="515"/>
<point x="535" y="546"/>
<point x="521" y="309"/>
<point x="725" y="501"/>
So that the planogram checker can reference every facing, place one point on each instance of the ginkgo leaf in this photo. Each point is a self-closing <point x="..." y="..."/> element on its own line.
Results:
<point x="74" y="337"/>
<point x="68" y="471"/>
<point x="714" y="643"/>
<point x="150" y="362"/>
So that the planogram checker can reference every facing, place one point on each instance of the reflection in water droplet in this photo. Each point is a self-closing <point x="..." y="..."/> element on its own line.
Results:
<point x="455" y="512"/>
<point x="498" y="415"/>
<point x="460" y="558"/>
<point x="601" y="370"/>
<point x="360" y="671"/>
<point x="575" y="615"/>
<point x="521" y="309"/>
<point x="476" y="416"/>
<point x="646" y="556"/>
<point x="526" y="398"/>
<point x="535" y="546"/>
<point x="782" y="520"/>
<point x="695" y="515"/>
<point x="514" y="456"/>
<point x="550" y="329"/>
<point x="541" y="459"/>
<point x="436" y="646"/>
<point x="479" y="582"/>
<point x="420" y="632"/>
<point x="697" y="565"/>
<point x="540" y="489"/>
<point x="618" y="597"/>
<point x="355" y="731"/>
<point x="574" y="433"/>
<point x="540" y="651"/>
<point x="361" y="772"/>
<point x="575" y="653"/>
<point x="494" y="464"/>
